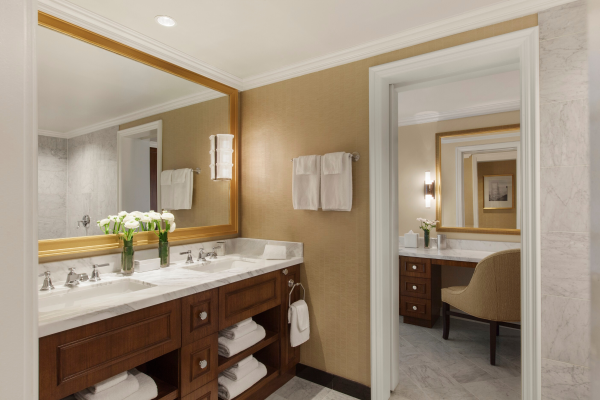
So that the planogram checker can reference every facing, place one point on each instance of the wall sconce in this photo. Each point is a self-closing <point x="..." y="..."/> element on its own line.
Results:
<point x="429" y="189"/>
<point x="221" y="157"/>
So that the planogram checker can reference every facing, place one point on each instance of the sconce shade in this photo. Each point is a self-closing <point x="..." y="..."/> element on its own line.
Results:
<point x="429" y="189"/>
<point x="221" y="157"/>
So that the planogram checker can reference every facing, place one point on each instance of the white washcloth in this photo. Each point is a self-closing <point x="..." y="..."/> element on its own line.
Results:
<point x="108" y="383"/>
<point x="306" y="187"/>
<point x="336" y="189"/>
<point x="241" y="323"/>
<point x="275" y="252"/>
<point x="182" y="184"/>
<point x="332" y="163"/>
<point x="118" y="392"/>
<point x="148" y="389"/>
<point x="228" y="347"/>
<point x="307" y="165"/>
<point x="300" y="324"/>
<point x="238" y="332"/>
<point x="237" y="373"/>
<point x="229" y="389"/>
<point x="166" y="190"/>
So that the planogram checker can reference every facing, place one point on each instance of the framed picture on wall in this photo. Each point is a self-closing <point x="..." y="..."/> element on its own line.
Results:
<point x="498" y="192"/>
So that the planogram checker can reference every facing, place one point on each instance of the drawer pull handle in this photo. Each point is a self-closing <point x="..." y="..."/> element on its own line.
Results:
<point x="415" y="308"/>
<point x="203" y="364"/>
<point x="414" y="287"/>
<point x="414" y="267"/>
<point x="203" y="315"/>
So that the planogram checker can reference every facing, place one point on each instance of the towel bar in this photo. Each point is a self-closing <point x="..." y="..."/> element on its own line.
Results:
<point x="293" y="286"/>
<point x="355" y="156"/>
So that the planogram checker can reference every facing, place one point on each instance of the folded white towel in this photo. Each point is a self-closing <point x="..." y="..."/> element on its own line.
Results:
<point x="306" y="187"/>
<point x="228" y="347"/>
<point x="241" y="323"/>
<point x="118" y="392"/>
<point x="332" y="163"/>
<point x="307" y="165"/>
<point x="229" y="389"/>
<point x="275" y="252"/>
<point x="148" y="389"/>
<point x="182" y="184"/>
<point x="300" y="324"/>
<point x="238" y="332"/>
<point x="336" y="189"/>
<point x="237" y="373"/>
<point x="166" y="190"/>
<point x="243" y="362"/>
<point x="108" y="383"/>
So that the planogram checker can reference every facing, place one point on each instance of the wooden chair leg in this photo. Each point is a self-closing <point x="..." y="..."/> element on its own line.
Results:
<point x="446" y="320"/>
<point x="493" y="330"/>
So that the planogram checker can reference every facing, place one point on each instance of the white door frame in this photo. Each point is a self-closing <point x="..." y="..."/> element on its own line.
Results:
<point x="523" y="47"/>
<point x="130" y="133"/>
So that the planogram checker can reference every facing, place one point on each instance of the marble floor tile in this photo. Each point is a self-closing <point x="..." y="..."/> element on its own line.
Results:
<point x="503" y="369"/>
<point x="408" y="394"/>
<point x="464" y="371"/>
<point x="300" y="389"/>
<point x="493" y="390"/>
<point x="454" y="393"/>
<point x="561" y="381"/>
<point x="429" y="376"/>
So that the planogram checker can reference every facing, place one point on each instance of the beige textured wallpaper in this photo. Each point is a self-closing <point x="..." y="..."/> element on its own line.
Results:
<point x="324" y="112"/>
<point x="186" y="144"/>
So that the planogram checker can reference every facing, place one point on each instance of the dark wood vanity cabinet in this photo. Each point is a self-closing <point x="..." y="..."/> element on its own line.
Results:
<point x="177" y="342"/>
<point x="420" y="291"/>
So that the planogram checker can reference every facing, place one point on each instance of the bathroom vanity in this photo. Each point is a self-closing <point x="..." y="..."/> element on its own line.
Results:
<point x="169" y="329"/>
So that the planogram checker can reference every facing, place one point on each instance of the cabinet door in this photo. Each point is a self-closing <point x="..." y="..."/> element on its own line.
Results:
<point x="199" y="316"/>
<point x="210" y="391"/>
<point x="199" y="363"/>
<point x="290" y="356"/>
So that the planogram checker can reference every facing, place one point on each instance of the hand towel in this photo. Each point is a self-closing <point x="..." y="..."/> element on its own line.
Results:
<point x="166" y="190"/>
<point x="229" y="389"/>
<point x="336" y="189"/>
<point x="307" y="165"/>
<point x="148" y="389"/>
<point x="108" y="383"/>
<point x="238" y="332"/>
<point x="275" y="252"/>
<point x="241" y="323"/>
<point x="243" y="362"/>
<point x="332" y="163"/>
<point x="165" y="177"/>
<point x="118" y="392"/>
<point x="298" y="318"/>
<point x="306" y="187"/>
<point x="182" y="184"/>
<point x="228" y="348"/>
<point x="237" y="373"/>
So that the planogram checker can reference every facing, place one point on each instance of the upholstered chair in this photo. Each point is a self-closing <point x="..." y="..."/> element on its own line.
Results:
<point x="493" y="296"/>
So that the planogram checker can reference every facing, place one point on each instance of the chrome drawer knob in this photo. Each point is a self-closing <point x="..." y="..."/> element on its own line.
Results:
<point x="203" y="315"/>
<point x="285" y="271"/>
<point x="414" y="287"/>
<point x="414" y="267"/>
<point x="415" y="308"/>
<point x="203" y="364"/>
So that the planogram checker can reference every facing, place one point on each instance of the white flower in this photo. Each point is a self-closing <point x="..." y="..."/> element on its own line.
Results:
<point x="146" y="218"/>
<point x="122" y="214"/>
<point x="104" y="222"/>
<point x="129" y="217"/>
<point x="154" y="216"/>
<point x="167" y="216"/>
<point x="420" y="219"/>
<point x="113" y="217"/>
<point x="137" y="214"/>
<point x="133" y="224"/>
<point x="172" y="227"/>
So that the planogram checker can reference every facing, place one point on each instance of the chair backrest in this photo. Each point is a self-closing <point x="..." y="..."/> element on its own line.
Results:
<point x="497" y="279"/>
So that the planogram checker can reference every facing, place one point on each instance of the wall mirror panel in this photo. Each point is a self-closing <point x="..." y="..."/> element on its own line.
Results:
<point x="120" y="130"/>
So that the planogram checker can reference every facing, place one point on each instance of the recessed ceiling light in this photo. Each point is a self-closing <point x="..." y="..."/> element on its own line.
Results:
<point x="165" y="21"/>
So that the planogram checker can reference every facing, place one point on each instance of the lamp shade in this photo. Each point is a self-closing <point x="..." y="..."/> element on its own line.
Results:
<point x="221" y="157"/>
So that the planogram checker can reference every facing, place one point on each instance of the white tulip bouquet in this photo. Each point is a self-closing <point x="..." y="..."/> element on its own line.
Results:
<point x="127" y="224"/>
<point x="427" y="225"/>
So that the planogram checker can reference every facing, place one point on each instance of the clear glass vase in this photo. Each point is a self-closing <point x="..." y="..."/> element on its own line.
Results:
<point x="127" y="257"/>
<point x="163" y="251"/>
<point x="426" y="239"/>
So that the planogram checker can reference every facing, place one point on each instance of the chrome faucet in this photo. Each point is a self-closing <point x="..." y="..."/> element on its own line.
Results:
<point x="190" y="259"/>
<point x="95" y="274"/>
<point x="202" y="256"/>
<point x="72" y="278"/>
<point x="213" y="254"/>
<point x="47" y="285"/>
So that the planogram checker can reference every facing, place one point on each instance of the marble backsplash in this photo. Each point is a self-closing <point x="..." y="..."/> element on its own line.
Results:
<point x="246" y="246"/>
<point x="476" y="245"/>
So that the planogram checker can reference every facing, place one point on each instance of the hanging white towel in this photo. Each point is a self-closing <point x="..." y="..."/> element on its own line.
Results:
<point x="118" y="392"/>
<point x="166" y="190"/>
<point x="332" y="163"/>
<point x="182" y="184"/>
<point x="336" y="189"/>
<point x="229" y="389"/>
<point x="236" y="373"/>
<point x="307" y="165"/>
<point x="108" y="383"/>
<point x="238" y="332"/>
<point x="305" y="187"/>
<point x="228" y="348"/>
<point x="298" y="318"/>
<point x="148" y="389"/>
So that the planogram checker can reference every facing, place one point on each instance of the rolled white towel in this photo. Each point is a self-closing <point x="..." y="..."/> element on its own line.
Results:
<point x="108" y="383"/>
<point x="229" y="389"/>
<point x="148" y="389"/>
<point x="238" y="332"/>
<point x="236" y="373"/>
<point x="228" y="347"/>
<point x="239" y="324"/>
<point x="118" y="392"/>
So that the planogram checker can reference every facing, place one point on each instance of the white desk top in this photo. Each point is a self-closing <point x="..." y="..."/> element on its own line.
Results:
<point x="446" y="254"/>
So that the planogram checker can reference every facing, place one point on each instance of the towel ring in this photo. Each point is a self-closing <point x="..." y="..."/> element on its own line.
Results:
<point x="291" y="291"/>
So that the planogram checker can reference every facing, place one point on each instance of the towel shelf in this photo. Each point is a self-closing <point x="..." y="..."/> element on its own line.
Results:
<point x="355" y="156"/>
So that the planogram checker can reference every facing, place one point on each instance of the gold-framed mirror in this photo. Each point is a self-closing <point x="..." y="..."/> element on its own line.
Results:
<point x="154" y="105"/>
<point x="477" y="180"/>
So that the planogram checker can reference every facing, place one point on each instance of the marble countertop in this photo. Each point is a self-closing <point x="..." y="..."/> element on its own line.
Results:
<point x="445" y="254"/>
<point x="60" y="309"/>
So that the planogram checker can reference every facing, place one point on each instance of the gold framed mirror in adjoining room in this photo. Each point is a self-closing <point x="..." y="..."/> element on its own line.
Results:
<point x="91" y="87"/>
<point x="477" y="180"/>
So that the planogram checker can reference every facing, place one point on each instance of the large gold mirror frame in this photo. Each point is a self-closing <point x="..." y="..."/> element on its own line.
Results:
<point x="71" y="246"/>
<point x="438" y="179"/>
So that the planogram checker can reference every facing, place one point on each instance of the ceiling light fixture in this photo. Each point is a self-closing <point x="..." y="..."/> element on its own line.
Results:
<point x="165" y="20"/>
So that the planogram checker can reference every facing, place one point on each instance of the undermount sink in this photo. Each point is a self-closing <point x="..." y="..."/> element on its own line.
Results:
<point x="223" y="265"/>
<point x="88" y="293"/>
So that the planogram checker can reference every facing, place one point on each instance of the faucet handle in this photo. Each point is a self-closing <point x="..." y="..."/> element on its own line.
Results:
<point x="190" y="259"/>
<point x="95" y="274"/>
<point x="47" y="284"/>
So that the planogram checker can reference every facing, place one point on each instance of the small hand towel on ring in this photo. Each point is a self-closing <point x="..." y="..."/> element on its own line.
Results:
<point x="307" y="165"/>
<point x="274" y="252"/>
<point x="298" y="318"/>
<point x="331" y="163"/>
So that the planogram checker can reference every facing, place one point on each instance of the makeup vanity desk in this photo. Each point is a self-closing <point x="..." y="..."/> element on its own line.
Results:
<point x="421" y="279"/>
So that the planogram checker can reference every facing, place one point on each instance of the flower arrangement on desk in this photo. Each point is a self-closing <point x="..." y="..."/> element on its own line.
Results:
<point x="163" y="224"/>
<point x="426" y="226"/>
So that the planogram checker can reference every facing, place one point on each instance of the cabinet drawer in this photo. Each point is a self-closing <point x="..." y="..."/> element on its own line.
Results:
<point x="415" y="287"/>
<point x="78" y="358"/>
<point x="210" y="391"/>
<point x="199" y="316"/>
<point x="415" y="307"/>
<point x="243" y="299"/>
<point x="199" y="363"/>
<point x="417" y="267"/>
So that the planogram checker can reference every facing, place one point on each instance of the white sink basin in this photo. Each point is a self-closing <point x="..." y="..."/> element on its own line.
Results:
<point x="224" y="265"/>
<point x="87" y="294"/>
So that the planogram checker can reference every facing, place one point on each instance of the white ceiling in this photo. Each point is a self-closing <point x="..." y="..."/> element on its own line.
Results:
<point x="80" y="86"/>
<point x="469" y="97"/>
<point x="246" y="38"/>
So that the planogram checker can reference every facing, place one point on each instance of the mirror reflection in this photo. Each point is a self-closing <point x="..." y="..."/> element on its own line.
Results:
<point x="117" y="135"/>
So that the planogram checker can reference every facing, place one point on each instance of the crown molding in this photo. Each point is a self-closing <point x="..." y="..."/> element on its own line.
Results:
<point x="472" y="138"/>
<point x="46" y="132"/>
<point x="494" y="108"/>
<point x="103" y="26"/>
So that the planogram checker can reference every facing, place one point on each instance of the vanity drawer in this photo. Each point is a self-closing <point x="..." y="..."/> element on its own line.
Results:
<point x="417" y="267"/>
<point x="199" y="363"/>
<point x="210" y="391"/>
<point x="415" y="307"/>
<point x="415" y="287"/>
<point x="244" y="299"/>
<point x="199" y="316"/>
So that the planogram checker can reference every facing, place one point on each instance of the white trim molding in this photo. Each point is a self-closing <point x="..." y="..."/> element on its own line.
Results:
<point x="483" y="136"/>
<point x="522" y="45"/>
<point x="46" y="132"/>
<point x="474" y="111"/>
